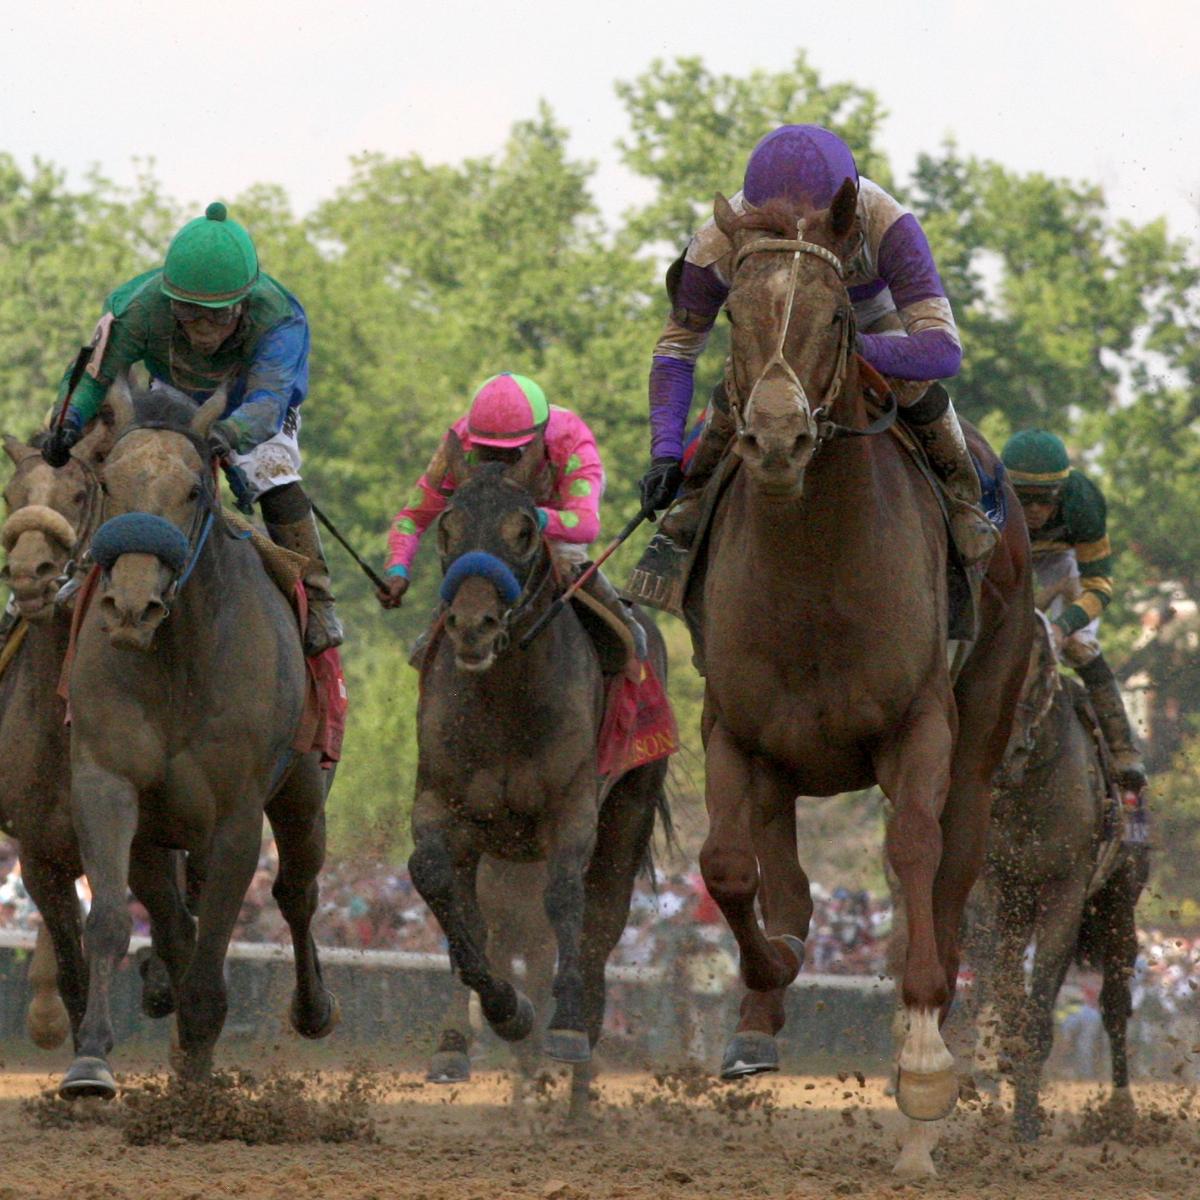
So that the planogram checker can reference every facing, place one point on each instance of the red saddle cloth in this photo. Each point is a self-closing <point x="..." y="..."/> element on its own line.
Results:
<point x="639" y="724"/>
<point x="323" y="722"/>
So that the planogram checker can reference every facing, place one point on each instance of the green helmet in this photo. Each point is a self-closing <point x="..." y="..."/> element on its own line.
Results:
<point x="1036" y="458"/>
<point x="211" y="261"/>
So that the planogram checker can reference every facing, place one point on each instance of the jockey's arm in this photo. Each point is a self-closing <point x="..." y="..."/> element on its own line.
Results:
<point x="930" y="347"/>
<point x="696" y="299"/>
<point x="118" y="343"/>
<point x="575" y="514"/>
<point x="1086" y="514"/>
<point x="276" y="380"/>
<point x="424" y="505"/>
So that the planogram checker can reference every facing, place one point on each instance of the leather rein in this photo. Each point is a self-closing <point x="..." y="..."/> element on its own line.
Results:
<point x="826" y="429"/>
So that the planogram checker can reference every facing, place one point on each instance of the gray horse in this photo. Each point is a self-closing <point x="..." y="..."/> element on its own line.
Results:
<point x="507" y="762"/>
<point x="187" y="690"/>
<point x="1057" y="875"/>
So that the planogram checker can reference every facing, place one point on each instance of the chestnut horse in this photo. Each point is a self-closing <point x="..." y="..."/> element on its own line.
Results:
<point x="824" y="623"/>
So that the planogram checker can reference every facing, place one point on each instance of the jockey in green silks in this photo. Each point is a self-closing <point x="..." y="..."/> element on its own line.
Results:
<point x="209" y="317"/>
<point x="1067" y="519"/>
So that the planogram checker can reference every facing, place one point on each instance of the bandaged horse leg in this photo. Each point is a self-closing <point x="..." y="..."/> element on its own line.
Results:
<point x="736" y="792"/>
<point x="913" y="769"/>
<point x="289" y="518"/>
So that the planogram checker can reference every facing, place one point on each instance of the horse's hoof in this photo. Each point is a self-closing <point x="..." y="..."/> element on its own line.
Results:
<point x="749" y="1054"/>
<point x="333" y="1015"/>
<point x="567" y="1046"/>
<point x="47" y="1022"/>
<point x="88" y="1077"/>
<point x="520" y="1024"/>
<point x="927" y="1096"/>
<point x="449" y="1066"/>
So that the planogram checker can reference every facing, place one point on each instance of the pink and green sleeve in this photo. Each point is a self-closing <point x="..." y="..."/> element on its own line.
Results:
<point x="575" y="515"/>
<point x="410" y="524"/>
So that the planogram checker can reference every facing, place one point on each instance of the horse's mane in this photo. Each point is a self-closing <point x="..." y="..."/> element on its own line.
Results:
<point x="163" y="407"/>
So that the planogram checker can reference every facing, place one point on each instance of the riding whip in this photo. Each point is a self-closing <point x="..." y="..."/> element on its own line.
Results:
<point x="368" y="570"/>
<point x="77" y="369"/>
<point x="584" y="576"/>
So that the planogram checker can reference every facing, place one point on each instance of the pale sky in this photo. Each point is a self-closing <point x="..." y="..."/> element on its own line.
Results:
<point x="224" y="93"/>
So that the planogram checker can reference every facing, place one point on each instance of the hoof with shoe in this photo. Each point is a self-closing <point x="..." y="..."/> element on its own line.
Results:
<point x="323" y="1028"/>
<point x="88" y="1077"/>
<point x="449" y="1066"/>
<point x="520" y="1025"/>
<point x="927" y="1096"/>
<point x="749" y="1054"/>
<point x="567" y="1045"/>
<point x="47" y="1022"/>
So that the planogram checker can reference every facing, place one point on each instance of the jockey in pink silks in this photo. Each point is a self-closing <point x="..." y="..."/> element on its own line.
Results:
<point x="507" y="413"/>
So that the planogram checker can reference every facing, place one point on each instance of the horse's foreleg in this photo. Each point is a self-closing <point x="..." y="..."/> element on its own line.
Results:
<point x="58" y="972"/>
<point x="1119" y="955"/>
<point x="297" y="816"/>
<point x="201" y="993"/>
<point x="154" y="878"/>
<point x="729" y="862"/>
<point x="572" y="839"/>
<point x="1061" y="910"/>
<point x="105" y="811"/>
<point x="444" y="874"/>
<point x="913" y="768"/>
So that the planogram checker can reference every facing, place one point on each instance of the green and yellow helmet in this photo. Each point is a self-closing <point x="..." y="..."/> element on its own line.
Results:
<point x="1036" y="460"/>
<point x="211" y="261"/>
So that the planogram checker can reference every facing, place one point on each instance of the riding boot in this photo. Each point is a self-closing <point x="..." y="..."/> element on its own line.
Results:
<point x="600" y="588"/>
<point x="934" y="423"/>
<point x="1106" y="699"/>
<point x="324" y="629"/>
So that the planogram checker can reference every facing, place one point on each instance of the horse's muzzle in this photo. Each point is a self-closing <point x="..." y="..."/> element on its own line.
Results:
<point x="132" y="606"/>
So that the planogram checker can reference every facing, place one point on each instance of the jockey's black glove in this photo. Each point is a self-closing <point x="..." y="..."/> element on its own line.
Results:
<point x="56" y="449"/>
<point x="659" y="484"/>
<point x="222" y="439"/>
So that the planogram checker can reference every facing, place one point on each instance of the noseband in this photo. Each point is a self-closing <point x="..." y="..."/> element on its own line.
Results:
<point x="826" y="429"/>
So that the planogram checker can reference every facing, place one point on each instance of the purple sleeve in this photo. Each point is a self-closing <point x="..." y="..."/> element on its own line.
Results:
<point x="930" y="351"/>
<point x="701" y="292"/>
<point x="930" y="354"/>
<point x="670" y="400"/>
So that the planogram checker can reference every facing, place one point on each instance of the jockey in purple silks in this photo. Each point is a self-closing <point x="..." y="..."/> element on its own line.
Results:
<point x="906" y="332"/>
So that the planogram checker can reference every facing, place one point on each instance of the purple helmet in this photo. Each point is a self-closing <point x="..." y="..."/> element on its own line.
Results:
<point x="800" y="163"/>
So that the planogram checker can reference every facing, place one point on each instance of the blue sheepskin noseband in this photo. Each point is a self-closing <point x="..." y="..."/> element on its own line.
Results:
<point x="140" y="533"/>
<point x="477" y="562"/>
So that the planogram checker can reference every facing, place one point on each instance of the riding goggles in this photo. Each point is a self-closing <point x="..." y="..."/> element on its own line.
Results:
<point x="181" y="310"/>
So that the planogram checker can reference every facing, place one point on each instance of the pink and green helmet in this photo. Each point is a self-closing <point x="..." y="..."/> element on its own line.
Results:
<point x="508" y="410"/>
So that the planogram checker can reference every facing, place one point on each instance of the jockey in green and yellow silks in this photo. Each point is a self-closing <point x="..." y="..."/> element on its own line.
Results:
<point x="1067" y="519"/>
<point x="210" y="318"/>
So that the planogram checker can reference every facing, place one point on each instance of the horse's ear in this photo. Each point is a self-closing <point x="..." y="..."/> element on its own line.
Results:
<point x="844" y="209"/>
<point x="724" y="215"/>
<point x="16" y="449"/>
<point x="457" y="466"/>
<point x="120" y="401"/>
<point x="210" y="412"/>
<point x="525" y="471"/>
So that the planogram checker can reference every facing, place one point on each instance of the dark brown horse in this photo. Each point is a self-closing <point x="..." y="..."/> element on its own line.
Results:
<point x="507" y="760"/>
<point x="824" y="623"/>
<point x="187" y="690"/>
<point x="1054" y="874"/>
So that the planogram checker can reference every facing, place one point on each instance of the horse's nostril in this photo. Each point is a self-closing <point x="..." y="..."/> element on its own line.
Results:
<point x="46" y="570"/>
<point x="451" y="621"/>
<point x="154" y="611"/>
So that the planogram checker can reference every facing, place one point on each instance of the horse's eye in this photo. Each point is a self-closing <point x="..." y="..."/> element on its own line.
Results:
<point x="194" y="494"/>
<point x="80" y="497"/>
<point x="104" y="487"/>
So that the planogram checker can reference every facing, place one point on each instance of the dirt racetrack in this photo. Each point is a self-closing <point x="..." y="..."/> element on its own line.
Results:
<point x="679" y="1134"/>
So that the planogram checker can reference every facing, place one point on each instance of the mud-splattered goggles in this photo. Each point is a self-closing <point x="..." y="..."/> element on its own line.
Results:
<point x="181" y="310"/>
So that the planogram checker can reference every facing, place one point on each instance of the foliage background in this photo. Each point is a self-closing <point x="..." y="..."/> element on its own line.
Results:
<point x="421" y="279"/>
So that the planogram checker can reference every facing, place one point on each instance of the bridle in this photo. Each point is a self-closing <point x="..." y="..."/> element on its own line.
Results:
<point x="206" y="504"/>
<point x="825" y="429"/>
